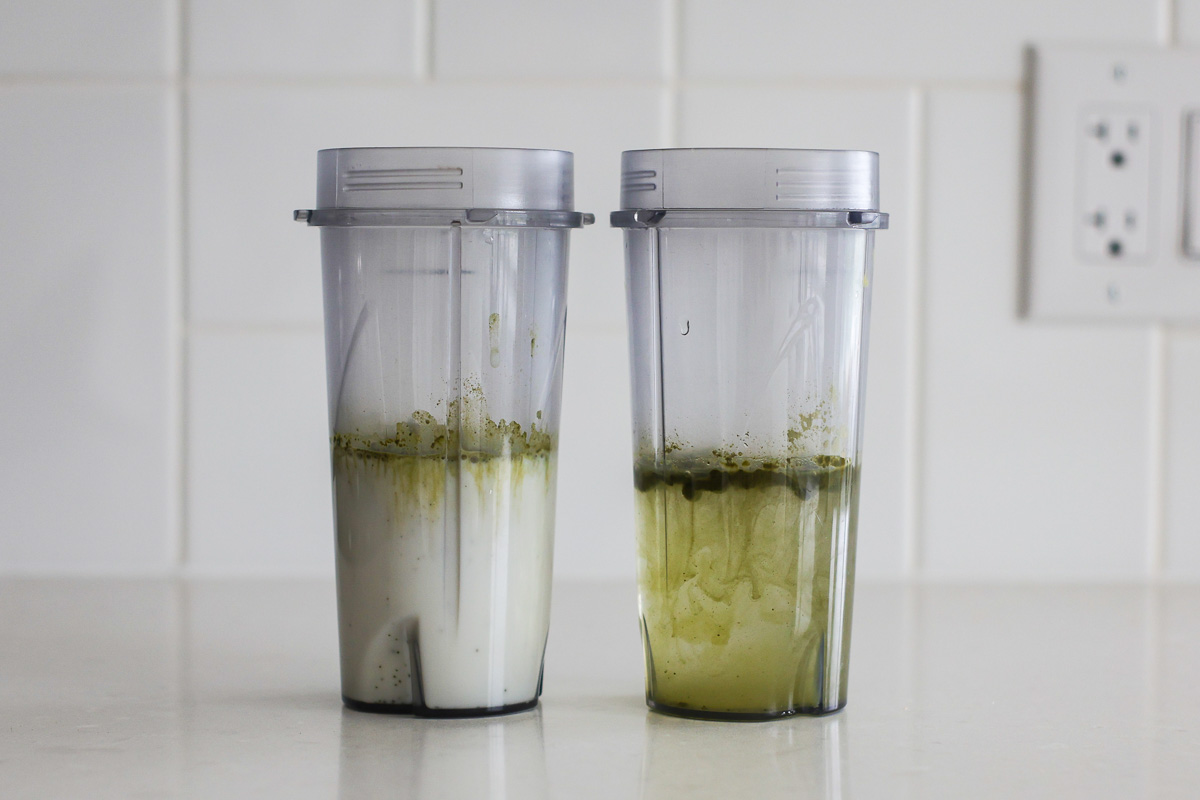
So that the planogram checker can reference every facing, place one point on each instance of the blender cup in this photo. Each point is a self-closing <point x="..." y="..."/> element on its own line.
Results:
<point x="445" y="280"/>
<point x="748" y="278"/>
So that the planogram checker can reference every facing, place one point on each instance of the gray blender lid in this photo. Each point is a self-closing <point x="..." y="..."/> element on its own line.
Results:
<point x="728" y="178"/>
<point x="445" y="178"/>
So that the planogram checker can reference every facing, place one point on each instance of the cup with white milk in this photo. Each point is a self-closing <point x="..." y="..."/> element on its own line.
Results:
<point x="445" y="277"/>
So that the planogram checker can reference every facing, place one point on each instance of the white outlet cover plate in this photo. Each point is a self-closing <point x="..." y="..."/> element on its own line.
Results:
<point x="1066" y="278"/>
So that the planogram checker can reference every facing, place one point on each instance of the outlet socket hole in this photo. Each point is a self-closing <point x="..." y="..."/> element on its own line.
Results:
<point x="1114" y="248"/>
<point x="1118" y="158"/>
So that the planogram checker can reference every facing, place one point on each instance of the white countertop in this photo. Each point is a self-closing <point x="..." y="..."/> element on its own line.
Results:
<point x="230" y="689"/>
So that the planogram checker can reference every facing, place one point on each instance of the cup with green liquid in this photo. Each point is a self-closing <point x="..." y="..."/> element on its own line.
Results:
<point x="748" y="278"/>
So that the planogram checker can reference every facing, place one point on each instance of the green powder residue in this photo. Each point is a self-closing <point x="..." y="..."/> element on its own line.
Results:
<point x="466" y="432"/>
<point x="494" y="338"/>
<point x="419" y="482"/>
<point x="740" y="558"/>
<point x="423" y="450"/>
<point x="810" y="431"/>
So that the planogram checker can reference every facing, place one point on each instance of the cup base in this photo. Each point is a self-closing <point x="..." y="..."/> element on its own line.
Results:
<point x="440" y="713"/>
<point x="739" y="716"/>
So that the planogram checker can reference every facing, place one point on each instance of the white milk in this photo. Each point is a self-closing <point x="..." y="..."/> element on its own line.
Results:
<point x="469" y="601"/>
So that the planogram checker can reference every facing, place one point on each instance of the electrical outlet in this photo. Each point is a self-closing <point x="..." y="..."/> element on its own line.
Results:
<point x="1112" y="192"/>
<point x="1113" y="212"/>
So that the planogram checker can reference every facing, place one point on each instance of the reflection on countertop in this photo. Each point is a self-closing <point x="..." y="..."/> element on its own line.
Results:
<point x="500" y="757"/>
<point x="684" y="758"/>
<point x="117" y="688"/>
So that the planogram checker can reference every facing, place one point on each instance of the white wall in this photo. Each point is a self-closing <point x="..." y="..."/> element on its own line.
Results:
<point x="161" y="351"/>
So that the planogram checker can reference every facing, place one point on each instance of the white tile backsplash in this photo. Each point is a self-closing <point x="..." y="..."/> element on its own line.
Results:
<point x="1181" y="491"/>
<point x="1187" y="21"/>
<point x="87" y="38"/>
<point x="865" y="120"/>
<point x="594" y="535"/>
<point x="86" y="348"/>
<point x="1036" y="436"/>
<point x="548" y="39"/>
<point x="259" y="496"/>
<point x="301" y="38"/>
<point x="1021" y="450"/>
<point x="920" y="40"/>
<point x="252" y="160"/>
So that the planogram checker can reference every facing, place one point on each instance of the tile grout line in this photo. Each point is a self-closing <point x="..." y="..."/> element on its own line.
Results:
<point x="1168" y="23"/>
<point x="174" y="280"/>
<point x="1157" y="467"/>
<point x="391" y="82"/>
<point x="672" y="23"/>
<point x="915" y="389"/>
<point x="423" y="41"/>
<point x="182" y="335"/>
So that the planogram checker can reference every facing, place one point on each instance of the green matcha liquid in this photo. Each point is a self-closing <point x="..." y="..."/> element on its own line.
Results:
<point x="746" y="573"/>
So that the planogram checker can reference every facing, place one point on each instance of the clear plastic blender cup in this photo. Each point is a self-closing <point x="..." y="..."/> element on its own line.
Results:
<point x="748" y="277"/>
<point x="445" y="277"/>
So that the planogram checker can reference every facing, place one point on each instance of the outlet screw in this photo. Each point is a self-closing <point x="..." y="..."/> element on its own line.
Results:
<point x="1119" y="72"/>
<point x="1114" y="293"/>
